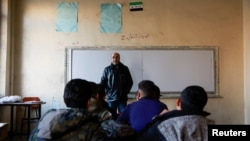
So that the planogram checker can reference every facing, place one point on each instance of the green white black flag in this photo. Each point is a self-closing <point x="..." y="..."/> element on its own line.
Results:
<point x="136" y="6"/>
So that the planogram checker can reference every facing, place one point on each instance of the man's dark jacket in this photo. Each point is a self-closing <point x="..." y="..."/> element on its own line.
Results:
<point x="117" y="82"/>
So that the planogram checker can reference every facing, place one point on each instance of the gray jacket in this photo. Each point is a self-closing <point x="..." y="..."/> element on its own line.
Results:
<point x="177" y="125"/>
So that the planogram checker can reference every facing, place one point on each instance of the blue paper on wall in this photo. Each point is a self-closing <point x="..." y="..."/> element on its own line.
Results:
<point x="110" y="21"/>
<point x="66" y="20"/>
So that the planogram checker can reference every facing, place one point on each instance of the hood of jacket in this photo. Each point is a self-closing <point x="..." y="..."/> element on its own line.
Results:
<point x="56" y="123"/>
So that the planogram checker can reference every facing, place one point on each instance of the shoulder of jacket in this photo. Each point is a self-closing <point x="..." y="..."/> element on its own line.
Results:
<point x="105" y="115"/>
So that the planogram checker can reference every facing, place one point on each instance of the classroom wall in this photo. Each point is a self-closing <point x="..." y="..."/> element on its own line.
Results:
<point x="3" y="45"/>
<point x="4" y="56"/>
<point x="246" y="29"/>
<point x="39" y="51"/>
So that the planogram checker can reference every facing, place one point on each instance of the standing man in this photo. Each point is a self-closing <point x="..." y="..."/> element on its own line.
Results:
<point x="117" y="82"/>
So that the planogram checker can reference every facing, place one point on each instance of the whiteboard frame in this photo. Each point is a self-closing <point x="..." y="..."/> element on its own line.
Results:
<point x="165" y="94"/>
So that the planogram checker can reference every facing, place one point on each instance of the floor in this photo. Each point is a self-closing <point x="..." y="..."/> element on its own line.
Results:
<point x="17" y="138"/>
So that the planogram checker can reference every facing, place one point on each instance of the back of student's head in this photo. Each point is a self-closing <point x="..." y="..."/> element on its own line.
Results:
<point x="77" y="92"/>
<point x="94" y="88"/>
<point x="193" y="98"/>
<point x="148" y="88"/>
<point x="157" y="92"/>
<point x="101" y="91"/>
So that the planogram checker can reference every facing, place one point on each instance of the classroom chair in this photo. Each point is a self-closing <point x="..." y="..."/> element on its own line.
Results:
<point x="34" y="113"/>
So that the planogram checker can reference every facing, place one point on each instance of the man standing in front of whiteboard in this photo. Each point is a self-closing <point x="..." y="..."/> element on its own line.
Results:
<point x="117" y="81"/>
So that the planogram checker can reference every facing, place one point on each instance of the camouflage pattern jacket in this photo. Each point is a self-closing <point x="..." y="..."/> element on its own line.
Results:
<point x="68" y="125"/>
<point x="98" y="111"/>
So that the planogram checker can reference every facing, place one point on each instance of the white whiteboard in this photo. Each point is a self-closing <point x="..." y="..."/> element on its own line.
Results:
<point x="172" y="69"/>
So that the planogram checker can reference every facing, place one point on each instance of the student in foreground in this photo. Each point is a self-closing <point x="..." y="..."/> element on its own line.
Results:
<point x="73" y="123"/>
<point x="187" y="123"/>
<point x="98" y="106"/>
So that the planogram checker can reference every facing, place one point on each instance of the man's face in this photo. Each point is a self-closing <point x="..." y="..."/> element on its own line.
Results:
<point x="115" y="58"/>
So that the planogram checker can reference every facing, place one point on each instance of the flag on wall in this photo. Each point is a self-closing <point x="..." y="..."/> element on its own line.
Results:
<point x="136" y="6"/>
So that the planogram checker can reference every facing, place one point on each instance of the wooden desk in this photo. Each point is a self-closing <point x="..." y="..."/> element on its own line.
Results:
<point x="28" y="104"/>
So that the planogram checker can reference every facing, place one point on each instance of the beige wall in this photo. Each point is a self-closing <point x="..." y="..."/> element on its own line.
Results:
<point x="5" y="48"/>
<point x="3" y="45"/>
<point x="247" y="59"/>
<point x="39" y="51"/>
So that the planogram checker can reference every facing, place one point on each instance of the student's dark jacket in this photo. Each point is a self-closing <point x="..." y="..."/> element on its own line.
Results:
<point x="117" y="82"/>
<point x="177" y="125"/>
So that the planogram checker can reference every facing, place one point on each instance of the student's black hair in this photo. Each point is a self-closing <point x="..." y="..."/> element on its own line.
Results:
<point x="193" y="98"/>
<point x="94" y="88"/>
<point x="101" y="91"/>
<point x="148" y="87"/>
<point x="77" y="92"/>
<point x="157" y="92"/>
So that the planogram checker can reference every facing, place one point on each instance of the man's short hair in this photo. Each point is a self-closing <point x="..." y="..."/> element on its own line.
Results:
<point x="77" y="92"/>
<point x="148" y="88"/>
<point x="193" y="98"/>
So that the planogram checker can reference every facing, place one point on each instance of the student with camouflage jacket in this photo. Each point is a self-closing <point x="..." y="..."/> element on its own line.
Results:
<point x="73" y="123"/>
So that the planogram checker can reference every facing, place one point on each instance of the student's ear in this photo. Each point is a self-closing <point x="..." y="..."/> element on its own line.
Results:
<point x="88" y="103"/>
<point x="178" y="104"/>
<point x="138" y="95"/>
<point x="97" y="96"/>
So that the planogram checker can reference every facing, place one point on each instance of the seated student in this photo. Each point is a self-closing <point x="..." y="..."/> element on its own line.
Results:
<point x="97" y="105"/>
<point x="138" y="114"/>
<point x="157" y="92"/>
<point x="73" y="123"/>
<point x="102" y="96"/>
<point x="187" y="123"/>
